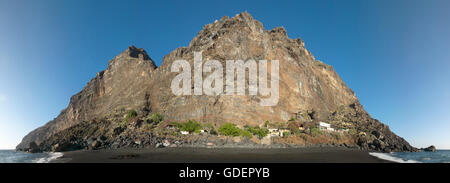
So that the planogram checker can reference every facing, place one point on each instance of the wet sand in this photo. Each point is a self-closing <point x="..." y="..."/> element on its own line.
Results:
<point x="221" y="155"/>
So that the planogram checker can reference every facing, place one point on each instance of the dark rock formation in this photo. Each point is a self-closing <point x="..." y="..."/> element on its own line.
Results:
<point x="33" y="148"/>
<point x="309" y="91"/>
<point x="429" y="149"/>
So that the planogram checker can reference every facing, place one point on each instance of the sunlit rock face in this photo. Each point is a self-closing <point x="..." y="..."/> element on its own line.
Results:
<point x="308" y="88"/>
<point x="304" y="83"/>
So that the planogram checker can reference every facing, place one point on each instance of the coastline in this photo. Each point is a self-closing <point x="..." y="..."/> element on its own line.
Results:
<point x="221" y="155"/>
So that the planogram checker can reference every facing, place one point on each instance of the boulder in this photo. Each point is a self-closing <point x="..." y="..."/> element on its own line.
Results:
<point x="159" y="145"/>
<point x="95" y="144"/>
<point x="166" y="143"/>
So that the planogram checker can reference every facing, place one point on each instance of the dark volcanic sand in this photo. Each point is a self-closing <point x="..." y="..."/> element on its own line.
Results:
<point x="221" y="155"/>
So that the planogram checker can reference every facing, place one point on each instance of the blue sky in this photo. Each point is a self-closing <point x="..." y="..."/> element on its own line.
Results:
<point x="394" y="54"/>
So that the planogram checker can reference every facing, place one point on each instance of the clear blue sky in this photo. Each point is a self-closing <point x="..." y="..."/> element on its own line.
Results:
<point x="394" y="54"/>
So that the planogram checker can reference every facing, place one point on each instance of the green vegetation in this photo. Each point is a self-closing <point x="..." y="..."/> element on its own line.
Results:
<point x="246" y="133"/>
<point x="230" y="129"/>
<point x="286" y="134"/>
<point x="267" y="124"/>
<point x="123" y="124"/>
<point x="155" y="118"/>
<point x="208" y="126"/>
<point x="315" y="131"/>
<point x="131" y="114"/>
<point x="190" y="126"/>
<point x="260" y="132"/>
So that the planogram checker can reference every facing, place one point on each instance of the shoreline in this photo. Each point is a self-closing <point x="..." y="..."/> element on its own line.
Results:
<point x="221" y="155"/>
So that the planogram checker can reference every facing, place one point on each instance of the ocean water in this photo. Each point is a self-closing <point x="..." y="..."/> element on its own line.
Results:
<point x="440" y="156"/>
<point x="11" y="156"/>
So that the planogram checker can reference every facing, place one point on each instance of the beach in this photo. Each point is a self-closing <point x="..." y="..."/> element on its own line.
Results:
<point x="221" y="155"/>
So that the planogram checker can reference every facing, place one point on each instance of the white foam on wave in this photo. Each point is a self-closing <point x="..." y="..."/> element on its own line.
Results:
<point x="52" y="156"/>
<point x="389" y="157"/>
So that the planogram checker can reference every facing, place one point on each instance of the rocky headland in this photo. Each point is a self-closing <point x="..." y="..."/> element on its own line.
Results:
<point x="130" y="104"/>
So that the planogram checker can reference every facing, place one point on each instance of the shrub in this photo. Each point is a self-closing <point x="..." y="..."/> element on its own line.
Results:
<point x="155" y="118"/>
<point x="190" y="126"/>
<point x="286" y="134"/>
<point x="229" y="129"/>
<point x="213" y="132"/>
<point x="131" y="114"/>
<point x="246" y="133"/>
<point x="260" y="132"/>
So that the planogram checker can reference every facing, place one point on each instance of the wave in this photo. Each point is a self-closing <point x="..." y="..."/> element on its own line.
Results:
<point x="389" y="157"/>
<point x="48" y="159"/>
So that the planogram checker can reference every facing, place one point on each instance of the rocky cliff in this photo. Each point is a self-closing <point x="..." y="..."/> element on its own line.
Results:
<point x="123" y="85"/>
<point x="309" y="90"/>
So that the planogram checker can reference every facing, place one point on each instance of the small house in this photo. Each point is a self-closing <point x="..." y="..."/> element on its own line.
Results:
<point x="325" y="126"/>
<point x="184" y="132"/>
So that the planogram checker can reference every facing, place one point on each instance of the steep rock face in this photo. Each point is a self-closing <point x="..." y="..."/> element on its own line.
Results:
<point x="306" y="86"/>
<point x="123" y="85"/>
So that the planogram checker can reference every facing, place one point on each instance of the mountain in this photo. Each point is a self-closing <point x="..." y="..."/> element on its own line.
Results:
<point x="309" y="92"/>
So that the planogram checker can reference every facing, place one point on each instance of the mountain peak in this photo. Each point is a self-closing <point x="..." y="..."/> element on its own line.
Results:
<point x="134" y="52"/>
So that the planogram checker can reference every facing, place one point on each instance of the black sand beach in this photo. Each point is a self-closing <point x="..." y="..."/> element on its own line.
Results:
<point x="221" y="155"/>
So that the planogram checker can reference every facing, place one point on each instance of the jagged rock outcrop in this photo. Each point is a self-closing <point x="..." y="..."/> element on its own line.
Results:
<point x="306" y="86"/>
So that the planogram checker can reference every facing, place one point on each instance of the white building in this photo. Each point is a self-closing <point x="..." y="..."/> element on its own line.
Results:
<point x="184" y="132"/>
<point x="325" y="126"/>
<point x="274" y="132"/>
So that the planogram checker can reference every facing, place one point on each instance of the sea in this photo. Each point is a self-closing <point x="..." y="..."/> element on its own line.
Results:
<point x="440" y="156"/>
<point x="12" y="156"/>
